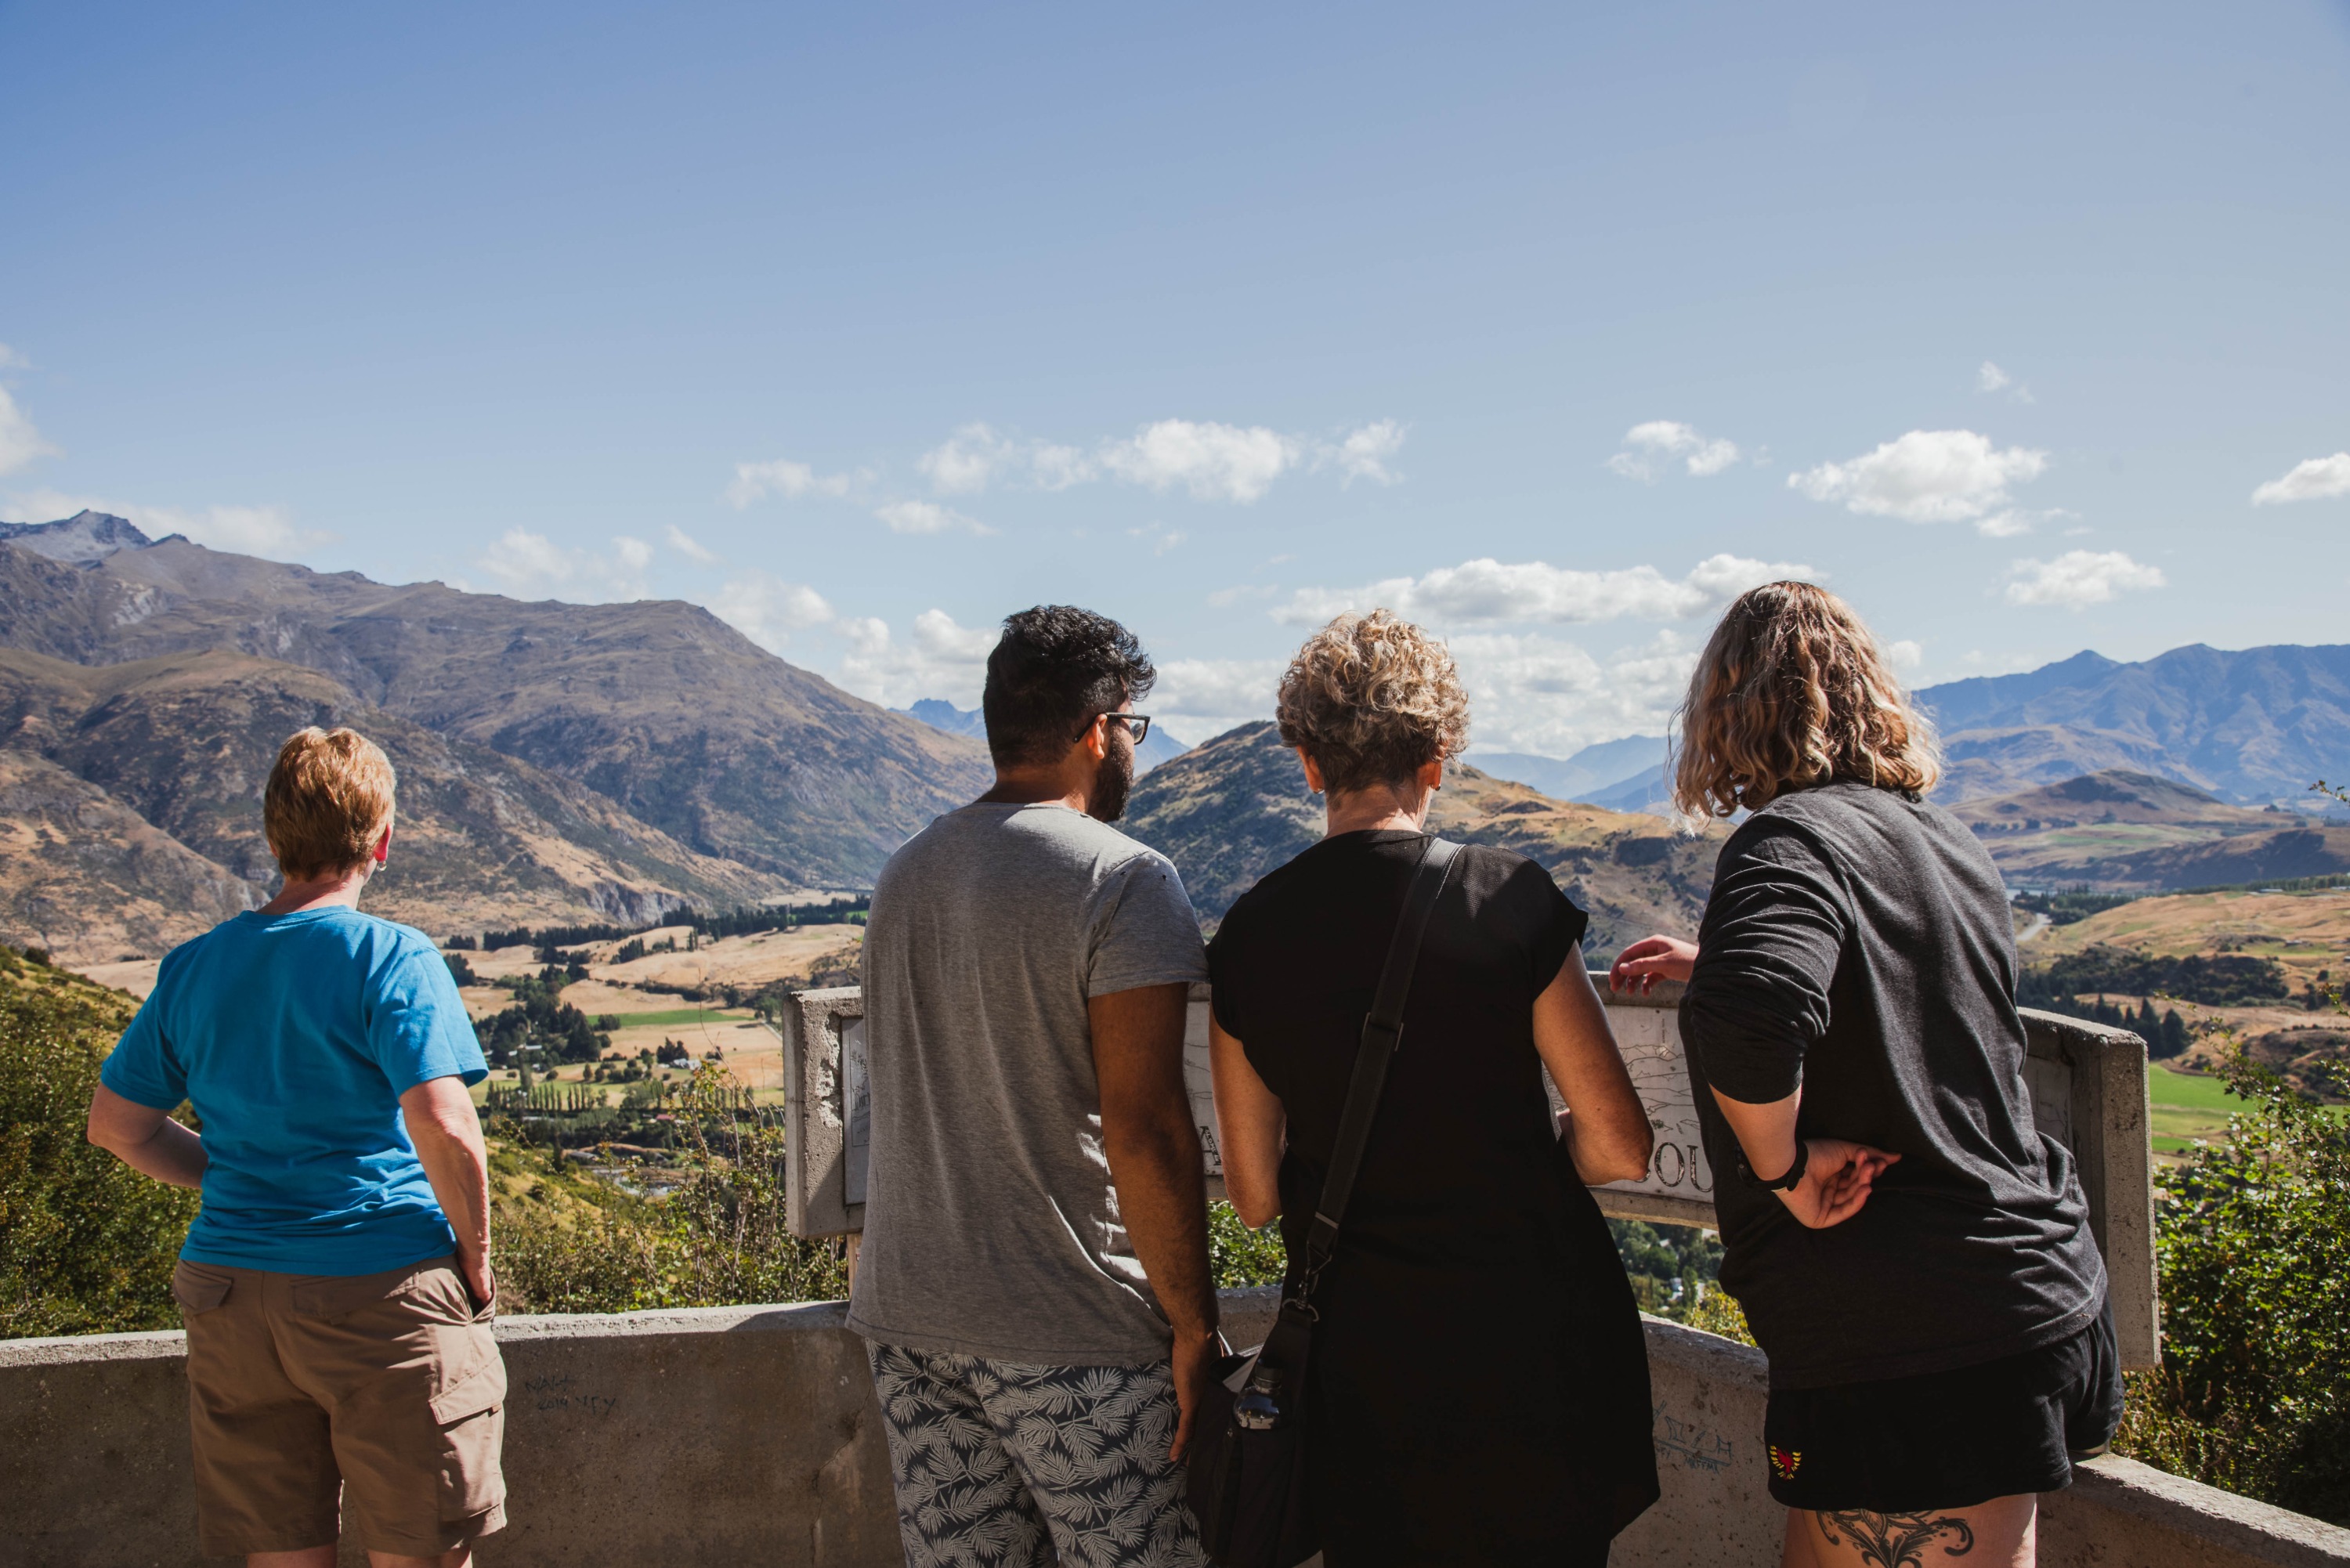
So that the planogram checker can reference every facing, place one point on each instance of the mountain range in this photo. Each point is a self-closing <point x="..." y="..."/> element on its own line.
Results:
<point x="563" y="761"/>
<point x="2249" y="727"/>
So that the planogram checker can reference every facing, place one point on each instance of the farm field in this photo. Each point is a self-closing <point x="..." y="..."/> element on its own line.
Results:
<point x="2305" y="932"/>
<point x="2184" y="1106"/>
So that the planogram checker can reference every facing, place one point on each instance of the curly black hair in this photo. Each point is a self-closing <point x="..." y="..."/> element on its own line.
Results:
<point x="1055" y="668"/>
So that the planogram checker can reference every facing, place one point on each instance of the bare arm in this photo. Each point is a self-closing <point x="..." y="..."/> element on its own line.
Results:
<point x="1250" y="1125"/>
<point x="447" y="1133"/>
<point x="1607" y="1130"/>
<point x="146" y="1140"/>
<point x="1155" y="1165"/>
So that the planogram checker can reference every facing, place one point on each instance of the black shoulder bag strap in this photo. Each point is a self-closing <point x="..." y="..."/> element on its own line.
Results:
<point x="1382" y="1037"/>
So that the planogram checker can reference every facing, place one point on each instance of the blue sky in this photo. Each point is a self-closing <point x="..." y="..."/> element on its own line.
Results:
<point x="1550" y="326"/>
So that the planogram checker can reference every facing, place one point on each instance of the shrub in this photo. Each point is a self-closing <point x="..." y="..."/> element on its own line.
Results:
<point x="87" y="1243"/>
<point x="2252" y="1240"/>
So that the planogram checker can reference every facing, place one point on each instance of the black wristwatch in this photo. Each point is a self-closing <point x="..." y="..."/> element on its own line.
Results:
<point x="1787" y="1183"/>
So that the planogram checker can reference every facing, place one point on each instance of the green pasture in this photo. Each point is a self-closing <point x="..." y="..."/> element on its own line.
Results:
<point x="2186" y="1106"/>
<point x="663" y="1019"/>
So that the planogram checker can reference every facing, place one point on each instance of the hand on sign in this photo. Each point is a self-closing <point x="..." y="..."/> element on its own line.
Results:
<point x="1836" y="1182"/>
<point x="1651" y="958"/>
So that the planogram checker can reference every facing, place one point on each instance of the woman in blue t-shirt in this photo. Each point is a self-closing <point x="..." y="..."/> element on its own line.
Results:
<point x="336" y="1285"/>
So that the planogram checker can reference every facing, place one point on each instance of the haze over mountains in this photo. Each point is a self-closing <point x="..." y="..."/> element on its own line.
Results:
<point x="2250" y="728"/>
<point x="615" y="758"/>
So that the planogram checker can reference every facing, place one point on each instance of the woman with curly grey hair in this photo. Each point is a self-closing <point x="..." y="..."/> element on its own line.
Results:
<point x="1478" y="1387"/>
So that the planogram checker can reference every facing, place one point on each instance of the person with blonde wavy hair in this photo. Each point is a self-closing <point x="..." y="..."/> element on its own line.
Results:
<point x="1478" y="1388"/>
<point x="1913" y="1255"/>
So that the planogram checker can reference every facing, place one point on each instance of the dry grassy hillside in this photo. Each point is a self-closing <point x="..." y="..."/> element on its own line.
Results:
<point x="673" y="716"/>
<point x="132" y="796"/>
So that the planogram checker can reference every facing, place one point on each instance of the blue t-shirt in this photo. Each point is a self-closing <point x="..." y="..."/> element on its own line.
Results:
<point x="294" y="1036"/>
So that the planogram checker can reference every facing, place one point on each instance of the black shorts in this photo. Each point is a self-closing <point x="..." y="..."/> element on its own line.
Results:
<point x="1947" y="1439"/>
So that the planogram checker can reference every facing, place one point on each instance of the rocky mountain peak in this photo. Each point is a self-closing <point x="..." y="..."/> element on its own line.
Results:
<point x="85" y="536"/>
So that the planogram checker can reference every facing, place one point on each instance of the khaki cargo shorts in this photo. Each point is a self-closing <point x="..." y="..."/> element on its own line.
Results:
<point x="387" y="1388"/>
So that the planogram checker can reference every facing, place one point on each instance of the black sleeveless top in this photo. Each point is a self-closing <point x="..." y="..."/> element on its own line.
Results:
<point x="1479" y="1383"/>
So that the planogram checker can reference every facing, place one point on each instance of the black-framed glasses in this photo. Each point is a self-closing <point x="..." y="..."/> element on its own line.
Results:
<point x="1136" y="724"/>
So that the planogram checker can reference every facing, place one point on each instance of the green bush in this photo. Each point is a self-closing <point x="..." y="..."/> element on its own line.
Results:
<point x="719" y="1239"/>
<point x="2253" y="1239"/>
<point x="1238" y="1256"/>
<point x="87" y="1243"/>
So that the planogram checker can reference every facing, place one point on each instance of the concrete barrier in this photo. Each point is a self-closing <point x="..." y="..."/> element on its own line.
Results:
<point x="737" y="1434"/>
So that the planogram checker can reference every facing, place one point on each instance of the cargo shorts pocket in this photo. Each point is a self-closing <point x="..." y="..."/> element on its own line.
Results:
<point x="471" y="1417"/>
<point x="199" y="1289"/>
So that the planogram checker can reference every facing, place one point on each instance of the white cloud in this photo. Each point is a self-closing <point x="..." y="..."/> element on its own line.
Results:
<point x="1992" y="378"/>
<point x="1905" y="655"/>
<point x="2317" y="479"/>
<point x="1926" y="477"/>
<point x="1487" y="591"/>
<point x="1550" y="697"/>
<point x="1648" y="445"/>
<point x="1213" y="461"/>
<point x="10" y="360"/>
<point x="1365" y="454"/>
<point x="2079" y="578"/>
<point x="532" y="565"/>
<point x="941" y="659"/>
<point x="792" y="481"/>
<point x="966" y="462"/>
<point x="1059" y="467"/>
<point x="1159" y="536"/>
<point x="20" y="443"/>
<point x="927" y="517"/>
<point x="1197" y="698"/>
<point x="767" y="610"/>
<point x="693" y="549"/>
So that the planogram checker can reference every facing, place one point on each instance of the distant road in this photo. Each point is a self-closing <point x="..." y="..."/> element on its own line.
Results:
<point x="2039" y="924"/>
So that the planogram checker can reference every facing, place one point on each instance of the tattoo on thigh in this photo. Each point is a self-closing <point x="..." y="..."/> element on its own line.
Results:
<point x="1895" y="1539"/>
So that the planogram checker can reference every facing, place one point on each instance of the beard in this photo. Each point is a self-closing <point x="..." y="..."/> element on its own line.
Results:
<point x="1114" y="780"/>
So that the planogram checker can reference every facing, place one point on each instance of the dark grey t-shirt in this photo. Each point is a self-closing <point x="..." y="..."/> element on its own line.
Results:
<point x="991" y="1226"/>
<point x="1857" y="945"/>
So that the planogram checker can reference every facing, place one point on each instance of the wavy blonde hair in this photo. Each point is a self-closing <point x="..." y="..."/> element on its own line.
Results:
<point x="1373" y="699"/>
<point x="1793" y="691"/>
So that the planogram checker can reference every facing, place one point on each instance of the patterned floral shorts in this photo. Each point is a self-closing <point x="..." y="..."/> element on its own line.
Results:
<point x="1003" y="1466"/>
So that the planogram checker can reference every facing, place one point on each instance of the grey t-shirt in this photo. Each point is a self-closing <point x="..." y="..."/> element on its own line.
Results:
<point x="991" y="1226"/>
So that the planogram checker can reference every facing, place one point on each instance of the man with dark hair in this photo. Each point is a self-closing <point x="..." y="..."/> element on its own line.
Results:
<point x="1034" y="1282"/>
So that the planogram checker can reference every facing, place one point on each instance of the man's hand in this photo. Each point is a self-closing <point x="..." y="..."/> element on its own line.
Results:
<point x="1651" y="958"/>
<point x="1836" y="1182"/>
<point x="1195" y="1371"/>
<point x="1154" y="1163"/>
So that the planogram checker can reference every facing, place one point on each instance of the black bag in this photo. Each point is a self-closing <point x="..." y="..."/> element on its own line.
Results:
<point x="1247" y="1464"/>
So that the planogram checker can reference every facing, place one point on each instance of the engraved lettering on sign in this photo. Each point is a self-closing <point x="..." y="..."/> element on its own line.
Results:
<point x="1698" y="1448"/>
<point x="559" y="1391"/>
<point x="1650" y="1038"/>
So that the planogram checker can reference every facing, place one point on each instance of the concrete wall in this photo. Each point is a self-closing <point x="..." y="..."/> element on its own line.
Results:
<point x="742" y="1435"/>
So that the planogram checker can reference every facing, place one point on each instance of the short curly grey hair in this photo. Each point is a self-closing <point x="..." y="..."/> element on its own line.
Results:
<point x="1373" y="699"/>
